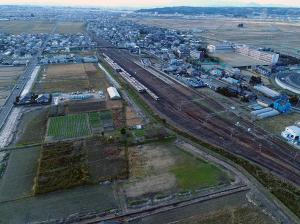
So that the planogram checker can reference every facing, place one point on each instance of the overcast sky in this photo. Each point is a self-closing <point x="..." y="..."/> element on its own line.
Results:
<point x="152" y="3"/>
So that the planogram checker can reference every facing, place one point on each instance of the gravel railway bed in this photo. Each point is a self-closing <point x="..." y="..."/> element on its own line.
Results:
<point x="269" y="152"/>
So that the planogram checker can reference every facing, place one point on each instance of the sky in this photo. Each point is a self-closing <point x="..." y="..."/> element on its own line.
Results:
<point x="154" y="3"/>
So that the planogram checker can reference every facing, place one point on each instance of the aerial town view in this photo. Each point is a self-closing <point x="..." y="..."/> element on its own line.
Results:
<point x="141" y="112"/>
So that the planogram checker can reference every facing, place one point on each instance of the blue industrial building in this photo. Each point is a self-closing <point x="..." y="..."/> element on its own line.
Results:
<point x="283" y="104"/>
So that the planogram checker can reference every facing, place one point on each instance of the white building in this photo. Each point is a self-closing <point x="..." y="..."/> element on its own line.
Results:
<point x="268" y="57"/>
<point x="291" y="133"/>
<point x="219" y="47"/>
<point x="113" y="93"/>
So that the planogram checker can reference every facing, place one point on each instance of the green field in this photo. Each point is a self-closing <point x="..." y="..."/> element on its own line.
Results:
<point x="95" y="120"/>
<point x="193" y="173"/>
<point x="70" y="126"/>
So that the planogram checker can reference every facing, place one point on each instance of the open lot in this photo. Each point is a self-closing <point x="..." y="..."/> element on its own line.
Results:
<point x="255" y="32"/>
<point x="278" y="124"/>
<point x="70" y="78"/>
<point x="17" y="27"/>
<point x="8" y="79"/>
<point x="237" y="60"/>
<point x="164" y="169"/>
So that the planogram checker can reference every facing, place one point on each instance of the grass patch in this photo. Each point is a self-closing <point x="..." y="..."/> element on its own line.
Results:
<point x="139" y="132"/>
<point x="70" y="126"/>
<point x="193" y="173"/>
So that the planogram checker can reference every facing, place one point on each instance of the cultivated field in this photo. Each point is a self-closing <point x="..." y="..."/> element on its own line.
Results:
<point x="19" y="176"/>
<point x="132" y="118"/>
<point x="62" y="165"/>
<point x="8" y="78"/>
<point x="106" y="161"/>
<point x="70" y="78"/>
<point x="17" y="27"/>
<point x="70" y="126"/>
<point x="70" y="27"/>
<point x="31" y="121"/>
<point x="281" y="36"/>
<point x="58" y="205"/>
<point x="163" y="169"/>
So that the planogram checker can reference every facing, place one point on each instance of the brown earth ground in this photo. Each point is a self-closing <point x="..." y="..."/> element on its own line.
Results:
<point x="70" y="78"/>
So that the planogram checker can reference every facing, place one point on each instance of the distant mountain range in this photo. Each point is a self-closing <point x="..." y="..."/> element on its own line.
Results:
<point x="254" y="10"/>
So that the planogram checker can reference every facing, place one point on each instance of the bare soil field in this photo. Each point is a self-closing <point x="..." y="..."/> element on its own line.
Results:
<point x="17" y="27"/>
<point x="70" y="27"/>
<point x="106" y="162"/>
<point x="8" y="78"/>
<point x="70" y="78"/>
<point x="165" y="169"/>
<point x="132" y="118"/>
<point x="255" y="32"/>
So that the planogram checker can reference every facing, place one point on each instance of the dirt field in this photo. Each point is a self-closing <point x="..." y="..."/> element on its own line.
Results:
<point x="17" y="27"/>
<point x="32" y="120"/>
<point x="8" y="78"/>
<point x="256" y="33"/>
<point x="165" y="169"/>
<point x="70" y="27"/>
<point x="18" y="179"/>
<point x="70" y="78"/>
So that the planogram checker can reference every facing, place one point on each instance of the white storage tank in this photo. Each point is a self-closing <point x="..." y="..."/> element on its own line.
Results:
<point x="113" y="93"/>
<point x="271" y="113"/>
<point x="257" y="112"/>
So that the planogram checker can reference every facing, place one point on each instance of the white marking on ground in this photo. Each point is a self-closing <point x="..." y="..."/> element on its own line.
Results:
<point x="10" y="127"/>
<point x="29" y="84"/>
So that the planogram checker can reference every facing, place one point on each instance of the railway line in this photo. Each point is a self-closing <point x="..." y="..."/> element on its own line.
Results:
<point x="144" y="212"/>
<point x="218" y="131"/>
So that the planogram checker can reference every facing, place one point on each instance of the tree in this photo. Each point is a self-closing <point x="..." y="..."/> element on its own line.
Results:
<point x="255" y="80"/>
<point x="123" y="131"/>
<point x="294" y="99"/>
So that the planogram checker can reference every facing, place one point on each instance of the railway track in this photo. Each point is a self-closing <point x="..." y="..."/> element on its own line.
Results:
<point x="144" y="212"/>
<point x="218" y="131"/>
